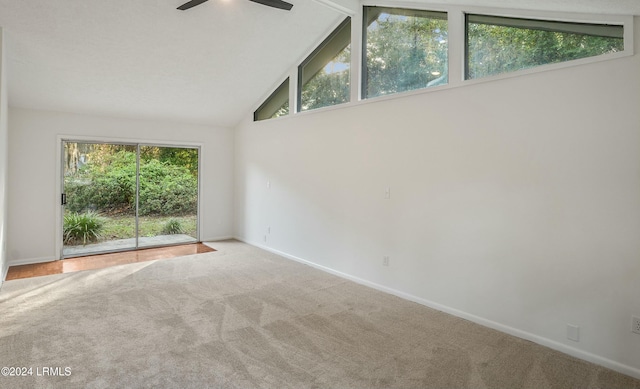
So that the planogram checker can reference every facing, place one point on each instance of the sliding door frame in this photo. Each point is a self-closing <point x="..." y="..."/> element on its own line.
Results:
<point x="61" y="139"/>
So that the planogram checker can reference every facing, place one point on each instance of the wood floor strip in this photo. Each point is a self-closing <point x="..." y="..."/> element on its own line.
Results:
<point x="102" y="261"/>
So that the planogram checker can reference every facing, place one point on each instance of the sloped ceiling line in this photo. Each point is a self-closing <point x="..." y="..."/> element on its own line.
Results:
<point x="145" y="59"/>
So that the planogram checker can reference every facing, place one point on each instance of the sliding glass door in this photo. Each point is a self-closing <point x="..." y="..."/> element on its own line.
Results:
<point x="168" y="196"/>
<point x="127" y="196"/>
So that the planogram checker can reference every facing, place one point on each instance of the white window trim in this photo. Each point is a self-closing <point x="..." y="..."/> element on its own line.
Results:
<point x="625" y="21"/>
<point x="317" y="51"/>
<point x="456" y="34"/>
<point x="292" y="73"/>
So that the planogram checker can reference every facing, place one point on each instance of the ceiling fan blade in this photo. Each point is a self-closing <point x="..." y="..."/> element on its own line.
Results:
<point x="190" y="4"/>
<point x="275" y="4"/>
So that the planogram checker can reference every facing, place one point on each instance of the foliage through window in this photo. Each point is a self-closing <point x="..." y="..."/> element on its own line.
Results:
<point x="106" y="180"/>
<point x="324" y="77"/>
<point x="275" y="105"/>
<point x="408" y="49"/>
<point x="498" y="44"/>
<point x="403" y="50"/>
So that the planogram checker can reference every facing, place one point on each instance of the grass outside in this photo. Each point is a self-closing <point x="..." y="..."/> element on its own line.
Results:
<point x="124" y="227"/>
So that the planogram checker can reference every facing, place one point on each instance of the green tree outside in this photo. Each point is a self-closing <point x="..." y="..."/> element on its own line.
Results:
<point x="405" y="51"/>
<point x="495" y="49"/>
<point x="108" y="183"/>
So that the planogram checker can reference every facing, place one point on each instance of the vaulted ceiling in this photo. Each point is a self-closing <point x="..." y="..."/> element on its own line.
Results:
<point x="145" y="59"/>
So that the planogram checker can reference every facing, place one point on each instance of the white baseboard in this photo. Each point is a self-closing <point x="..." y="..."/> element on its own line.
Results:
<point x="552" y="344"/>
<point x="31" y="261"/>
<point x="216" y="239"/>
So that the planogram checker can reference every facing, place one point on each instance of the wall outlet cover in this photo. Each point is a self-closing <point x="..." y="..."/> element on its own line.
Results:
<point x="573" y="332"/>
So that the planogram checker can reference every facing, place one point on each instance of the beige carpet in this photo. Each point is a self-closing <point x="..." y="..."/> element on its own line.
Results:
<point x="244" y="318"/>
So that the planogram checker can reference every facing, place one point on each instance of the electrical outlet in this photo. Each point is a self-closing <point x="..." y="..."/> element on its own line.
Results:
<point x="573" y="332"/>
<point x="387" y="193"/>
<point x="385" y="261"/>
<point x="636" y="324"/>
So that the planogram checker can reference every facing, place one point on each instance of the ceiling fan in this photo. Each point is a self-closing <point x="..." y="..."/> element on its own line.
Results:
<point x="270" y="3"/>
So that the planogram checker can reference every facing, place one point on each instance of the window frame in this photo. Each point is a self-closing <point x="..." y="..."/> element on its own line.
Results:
<point x="457" y="48"/>
<point x="348" y="21"/>
<point x="536" y="23"/>
<point x="364" y="71"/>
<point x="285" y="85"/>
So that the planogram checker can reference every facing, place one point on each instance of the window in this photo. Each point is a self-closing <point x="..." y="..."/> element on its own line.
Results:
<point x="498" y="45"/>
<point x="324" y="76"/>
<point x="408" y="49"/>
<point x="403" y="50"/>
<point x="119" y="196"/>
<point x="276" y="105"/>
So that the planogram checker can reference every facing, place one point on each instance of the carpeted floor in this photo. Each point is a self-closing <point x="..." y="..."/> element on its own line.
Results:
<point x="244" y="318"/>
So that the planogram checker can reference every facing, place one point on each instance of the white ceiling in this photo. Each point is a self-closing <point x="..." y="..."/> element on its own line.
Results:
<point x="145" y="59"/>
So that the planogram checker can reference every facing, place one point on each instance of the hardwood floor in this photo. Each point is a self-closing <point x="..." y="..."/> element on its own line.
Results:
<point x="104" y="260"/>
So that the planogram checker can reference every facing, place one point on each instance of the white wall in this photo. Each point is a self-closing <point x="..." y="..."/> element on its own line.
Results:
<point x="4" y="139"/>
<point x="33" y="172"/>
<point x="514" y="203"/>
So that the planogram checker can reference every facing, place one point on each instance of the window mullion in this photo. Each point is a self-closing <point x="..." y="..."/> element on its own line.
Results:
<point x="457" y="45"/>
<point x="294" y="103"/>
<point x="356" y="56"/>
